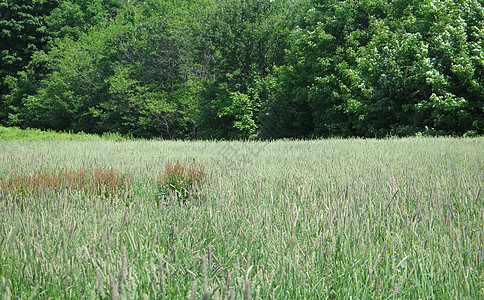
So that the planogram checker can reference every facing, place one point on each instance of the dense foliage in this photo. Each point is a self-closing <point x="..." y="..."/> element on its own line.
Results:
<point x="243" y="68"/>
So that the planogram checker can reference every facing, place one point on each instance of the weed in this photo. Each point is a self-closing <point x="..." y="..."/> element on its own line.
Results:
<point x="108" y="181"/>
<point x="181" y="179"/>
<point x="98" y="181"/>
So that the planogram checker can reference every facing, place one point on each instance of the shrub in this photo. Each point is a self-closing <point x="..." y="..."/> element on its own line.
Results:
<point x="181" y="179"/>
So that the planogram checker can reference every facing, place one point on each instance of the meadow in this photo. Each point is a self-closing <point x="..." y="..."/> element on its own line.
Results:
<point x="319" y="219"/>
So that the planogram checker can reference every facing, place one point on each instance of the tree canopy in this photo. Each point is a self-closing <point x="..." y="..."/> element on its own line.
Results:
<point x="239" y="69"/>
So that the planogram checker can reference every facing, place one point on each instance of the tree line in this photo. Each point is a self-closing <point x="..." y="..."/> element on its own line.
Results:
<point x="243" y="69"/>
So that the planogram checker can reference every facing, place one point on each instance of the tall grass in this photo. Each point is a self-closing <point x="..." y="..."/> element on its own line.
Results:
<point x="97" y="181"/>
<point x="181" y="180"/>
<point x="374" y="219"/>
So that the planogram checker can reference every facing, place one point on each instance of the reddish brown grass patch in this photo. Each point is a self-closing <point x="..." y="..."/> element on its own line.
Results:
<point x="181" y="179"/>
<point x="97" y="181"/>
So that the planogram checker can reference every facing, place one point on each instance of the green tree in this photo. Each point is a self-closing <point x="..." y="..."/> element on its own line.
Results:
<point x="68" y="97"/>
<point x="374" y="68"/>
<point x="74" y="17"/>
<point x="238" y="44"/>
<point x="27" y="28"/>
<point x="127" y="77"/>
<point x="23" y="31"/>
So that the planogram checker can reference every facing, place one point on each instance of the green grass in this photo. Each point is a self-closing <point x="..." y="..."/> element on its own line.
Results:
<point x="15" y="133"/>
<point x="358" y="218"/>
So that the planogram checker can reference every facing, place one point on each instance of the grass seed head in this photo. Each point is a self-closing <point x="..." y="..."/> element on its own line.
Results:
<point x="97" y="181"/>
<point x="181" y="179"/>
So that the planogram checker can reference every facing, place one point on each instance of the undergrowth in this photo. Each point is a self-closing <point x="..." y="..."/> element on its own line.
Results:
<point x="31" y="134"/>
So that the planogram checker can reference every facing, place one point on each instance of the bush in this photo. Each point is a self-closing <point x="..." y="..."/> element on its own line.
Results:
<point x="181" y="180"/>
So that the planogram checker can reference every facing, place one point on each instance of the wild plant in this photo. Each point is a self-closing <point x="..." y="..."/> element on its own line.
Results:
<point x="98" y="181"/>
<point x="181" y="180"/>
<point x="108" y="181"/>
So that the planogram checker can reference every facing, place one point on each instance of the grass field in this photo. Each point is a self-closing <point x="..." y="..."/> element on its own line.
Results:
<point x="357" y="218"/>
<point x="15" y="133"/>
